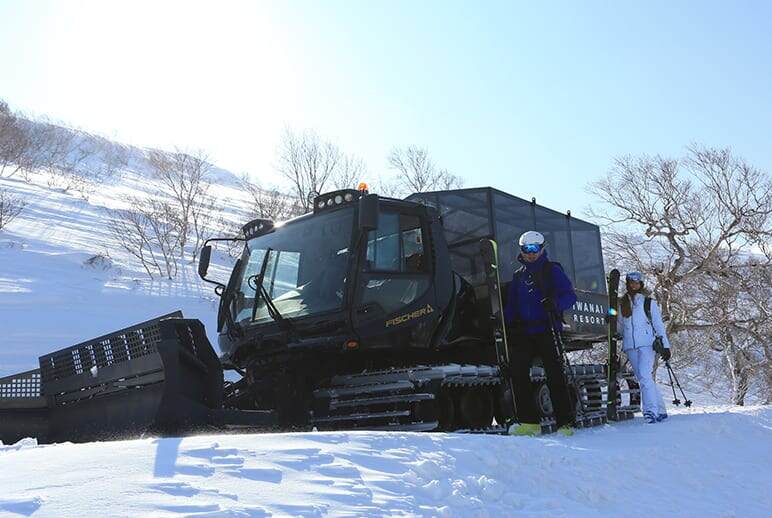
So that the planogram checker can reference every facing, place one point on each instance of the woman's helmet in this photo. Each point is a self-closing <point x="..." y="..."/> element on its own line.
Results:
<point x="634" y="276"/>
<point x="531" y="242"/>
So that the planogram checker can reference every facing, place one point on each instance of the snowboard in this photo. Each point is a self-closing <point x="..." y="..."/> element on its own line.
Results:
<point x="613" y="356"/>
<point x="490" y="255"/>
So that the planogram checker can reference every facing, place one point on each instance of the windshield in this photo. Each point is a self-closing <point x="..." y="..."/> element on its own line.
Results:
<point x="305" y="271"/>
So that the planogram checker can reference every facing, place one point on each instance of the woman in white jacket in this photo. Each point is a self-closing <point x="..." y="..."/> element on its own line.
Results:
<point x="638" y="334"/>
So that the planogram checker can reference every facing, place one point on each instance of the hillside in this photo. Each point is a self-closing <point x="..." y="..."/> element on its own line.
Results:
<point x="65" y="279"/>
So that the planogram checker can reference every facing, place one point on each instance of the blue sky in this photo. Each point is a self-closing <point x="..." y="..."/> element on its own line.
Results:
<point x="532" y="99"/>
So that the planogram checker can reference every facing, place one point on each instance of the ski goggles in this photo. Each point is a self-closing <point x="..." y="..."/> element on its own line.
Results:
<point x="634" y="276"/>
<point x="531" y="249"/>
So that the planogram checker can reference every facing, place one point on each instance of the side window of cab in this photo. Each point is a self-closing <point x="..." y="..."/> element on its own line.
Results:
<point x="396" y="264"/>
<point x="397" y="245"/>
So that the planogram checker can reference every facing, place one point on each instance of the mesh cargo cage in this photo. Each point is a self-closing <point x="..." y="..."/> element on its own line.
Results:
<point x="159" y="377"/>
<point x="469" y="215"/>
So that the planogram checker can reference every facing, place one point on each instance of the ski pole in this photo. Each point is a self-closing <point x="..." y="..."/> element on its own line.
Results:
<point x="676" y="401"/>
<point x="687" y="402"/>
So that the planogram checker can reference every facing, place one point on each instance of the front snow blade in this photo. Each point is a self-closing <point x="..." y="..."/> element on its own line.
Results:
<point x="159" y="377"/>
<point x="23" y="411"/>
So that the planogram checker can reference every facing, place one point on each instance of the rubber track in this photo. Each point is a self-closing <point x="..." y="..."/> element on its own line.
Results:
<point x="390" y="399"/>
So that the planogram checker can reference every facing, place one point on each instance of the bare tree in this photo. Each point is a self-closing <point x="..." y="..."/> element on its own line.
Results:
<point x="350" y="172"/>
<point x="14" y="141"/>
<point x="80" y="161"/>
<point x="390" y="188"/>
<point x="418" y="173"/>
<point x="700" y="227"/>
<point x="64" y="154"/>
<point x="114" y="158"/>
<point x="267" y="203"/>
<point x="448" y="181"/>
<point x="27" y="146"/>
<point x="734" y="309"/>
<point x="310" y="163"/>
<point x="10" y="207"/>
<point x="131" y="230"/>
<point x="185" y="177"/>
<point x="149" y="232"/>
<point x="201" y="219"/>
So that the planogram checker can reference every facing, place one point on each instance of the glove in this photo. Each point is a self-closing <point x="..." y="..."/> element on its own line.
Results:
<point x="548" y="304"/>
<point x="666" y="354"/>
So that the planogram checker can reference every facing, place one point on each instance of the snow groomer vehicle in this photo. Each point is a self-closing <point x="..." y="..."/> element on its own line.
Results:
<point x="367" y="313"/>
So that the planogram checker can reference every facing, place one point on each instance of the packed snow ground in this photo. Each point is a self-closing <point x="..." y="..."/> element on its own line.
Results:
<point x="703" y="461"/>
<point x="700" y="463"/>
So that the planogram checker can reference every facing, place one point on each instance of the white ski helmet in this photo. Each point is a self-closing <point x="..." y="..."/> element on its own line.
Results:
<point x="531" y="238"/>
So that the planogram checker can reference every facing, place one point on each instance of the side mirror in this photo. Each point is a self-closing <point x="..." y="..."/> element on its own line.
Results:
<point x="368" y="212"/>
<point x="203" y="261"/>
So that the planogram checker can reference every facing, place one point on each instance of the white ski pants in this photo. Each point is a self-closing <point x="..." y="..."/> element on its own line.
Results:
<point x="642" y="361"/>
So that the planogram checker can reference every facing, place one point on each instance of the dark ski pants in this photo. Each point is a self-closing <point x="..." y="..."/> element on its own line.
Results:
<point x="523" y="349"/>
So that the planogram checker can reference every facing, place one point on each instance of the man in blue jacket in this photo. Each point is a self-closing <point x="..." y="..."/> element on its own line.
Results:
<point x="539" y="288"/>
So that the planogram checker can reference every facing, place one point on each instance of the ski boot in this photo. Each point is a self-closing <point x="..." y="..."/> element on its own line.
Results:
<point x="525" y="429"/>
<point x="566" y="430"/>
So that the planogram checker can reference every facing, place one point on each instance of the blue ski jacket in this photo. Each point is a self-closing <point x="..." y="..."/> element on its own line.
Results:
<point x="524" y="305"/>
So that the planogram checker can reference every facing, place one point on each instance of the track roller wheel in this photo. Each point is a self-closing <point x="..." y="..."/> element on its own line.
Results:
<point x="503" y="413"/>
<point x="476" y="407"/>
<point x="541" y="396"/>
<point x="446" y="407"/>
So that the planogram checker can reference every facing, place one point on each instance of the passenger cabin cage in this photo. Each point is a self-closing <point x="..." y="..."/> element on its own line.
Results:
<point x="469" y="215"/>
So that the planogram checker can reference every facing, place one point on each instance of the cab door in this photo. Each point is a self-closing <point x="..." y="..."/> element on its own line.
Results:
<point x="394" y="305"/>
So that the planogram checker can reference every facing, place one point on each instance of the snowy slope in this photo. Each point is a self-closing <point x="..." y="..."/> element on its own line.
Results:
<point x="52" y="297"/>
<point x="704" y="463"/>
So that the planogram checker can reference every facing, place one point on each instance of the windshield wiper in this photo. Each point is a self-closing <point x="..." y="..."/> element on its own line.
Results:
<point x="258" y="280"/>
<point x="261" y="291"/>
<point x="283" y="321"/>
